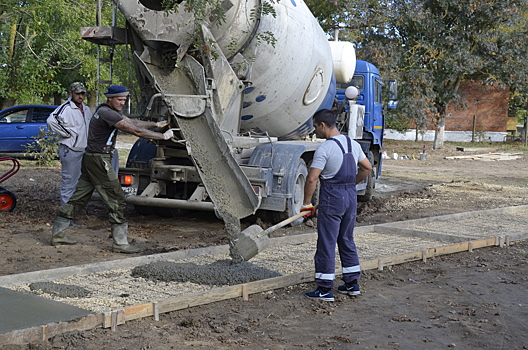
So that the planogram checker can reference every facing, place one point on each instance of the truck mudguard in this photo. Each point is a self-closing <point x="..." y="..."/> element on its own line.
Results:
<point x="283" y="158"/>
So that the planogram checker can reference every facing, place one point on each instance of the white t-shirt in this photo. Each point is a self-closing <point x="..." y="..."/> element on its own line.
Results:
<point x="329" y="157"/>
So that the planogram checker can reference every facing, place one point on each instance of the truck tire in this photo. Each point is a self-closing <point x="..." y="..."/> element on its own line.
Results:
<point x="7" y="200"/>
<point x="369" y="190"/>
<point x="371" y="179"/>
<point x="294" y="204"/>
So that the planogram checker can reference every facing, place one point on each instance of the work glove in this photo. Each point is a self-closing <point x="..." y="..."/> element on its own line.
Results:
<point x="162" y="123"/>
<point x="309" y="209"/>
<point x="168" y="134"/>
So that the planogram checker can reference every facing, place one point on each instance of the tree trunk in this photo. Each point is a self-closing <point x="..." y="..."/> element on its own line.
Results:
<point x="439" y="134"/>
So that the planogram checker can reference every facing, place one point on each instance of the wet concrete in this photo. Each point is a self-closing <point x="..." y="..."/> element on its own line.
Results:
<point x="219" y="273"/>
<point x="232" y="225"/>
<point x="19" y="311"/>
<point x="61" y="290"/>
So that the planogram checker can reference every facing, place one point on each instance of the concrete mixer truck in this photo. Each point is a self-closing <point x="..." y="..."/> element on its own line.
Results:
<point x="239" y="94"/>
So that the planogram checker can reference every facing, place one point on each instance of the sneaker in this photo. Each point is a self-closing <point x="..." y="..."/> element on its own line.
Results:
<point x="350" y="289"/>
<point x="319" y="294"/>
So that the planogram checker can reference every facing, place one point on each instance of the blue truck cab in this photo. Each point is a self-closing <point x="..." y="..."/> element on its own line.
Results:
<point x="369" y="119"/>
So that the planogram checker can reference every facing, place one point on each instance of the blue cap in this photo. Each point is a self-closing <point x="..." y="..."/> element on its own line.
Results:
<point x="116" y="91"/>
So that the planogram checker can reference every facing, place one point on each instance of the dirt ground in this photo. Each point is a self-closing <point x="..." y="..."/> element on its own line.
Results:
<point x="465" y="301"/>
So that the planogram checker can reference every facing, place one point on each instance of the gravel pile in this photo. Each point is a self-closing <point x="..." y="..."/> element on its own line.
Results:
<point x="110" y="290"/>
<point x="479" y="226"/>
<point x="115" y="289"/>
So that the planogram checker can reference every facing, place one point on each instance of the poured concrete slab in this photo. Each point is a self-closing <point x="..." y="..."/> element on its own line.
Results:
<point x="21" y="311"/>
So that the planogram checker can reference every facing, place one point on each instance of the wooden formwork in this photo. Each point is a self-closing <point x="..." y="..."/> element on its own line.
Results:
<point x="114" y="318"/>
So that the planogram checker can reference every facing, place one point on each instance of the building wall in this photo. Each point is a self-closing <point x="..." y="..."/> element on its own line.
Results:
<point x="488" y="104"/>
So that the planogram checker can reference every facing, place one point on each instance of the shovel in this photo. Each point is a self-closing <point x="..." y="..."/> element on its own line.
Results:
<point x="254" y="239"/>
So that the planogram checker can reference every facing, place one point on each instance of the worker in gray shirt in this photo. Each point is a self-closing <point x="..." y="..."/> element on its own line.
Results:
<point x="339" y="164"/>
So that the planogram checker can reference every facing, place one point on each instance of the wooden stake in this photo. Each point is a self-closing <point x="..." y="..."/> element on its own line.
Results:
<point x="155" y="306"/>
<point x="45" y="333"/>
<point x="245" y="292"/>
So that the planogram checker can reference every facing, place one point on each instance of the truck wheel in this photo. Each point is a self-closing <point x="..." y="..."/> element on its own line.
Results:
<point x="294" y="204"/>
<point x="371" y="180"/>
<point x="7" y="200"/>
<point x="369" y="190"/>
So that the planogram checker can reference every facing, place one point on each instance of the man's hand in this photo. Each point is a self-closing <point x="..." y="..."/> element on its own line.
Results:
<point x="162" y="123"/>
<point x="309" y="209"/>
<point x="168" y="134"/>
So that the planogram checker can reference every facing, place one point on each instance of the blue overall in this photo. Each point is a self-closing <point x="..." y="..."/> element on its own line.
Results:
<point x="335" y="223"/>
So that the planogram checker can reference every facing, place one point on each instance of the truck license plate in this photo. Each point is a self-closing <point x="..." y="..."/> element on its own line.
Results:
<point x="130" y="191"/>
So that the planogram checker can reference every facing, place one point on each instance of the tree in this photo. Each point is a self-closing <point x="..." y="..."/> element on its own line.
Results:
<point x="432" y="46"/>
<point x="42" y="51"/>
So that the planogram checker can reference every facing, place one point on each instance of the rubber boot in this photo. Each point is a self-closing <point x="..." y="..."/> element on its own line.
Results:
<point x="58" y="235"/>
<point x="119" y="235"/>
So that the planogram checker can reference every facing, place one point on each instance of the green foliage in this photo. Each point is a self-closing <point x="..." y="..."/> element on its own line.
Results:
<point x="43" y="52"/>
<point x="433" y="46"/>
<point x="44" y="149"/>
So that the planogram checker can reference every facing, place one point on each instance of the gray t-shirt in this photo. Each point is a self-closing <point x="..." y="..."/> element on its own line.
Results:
<point x="329" y="157"/>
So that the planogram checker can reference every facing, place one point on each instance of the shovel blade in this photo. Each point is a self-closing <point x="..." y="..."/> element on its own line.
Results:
<point x="249" y="242"/>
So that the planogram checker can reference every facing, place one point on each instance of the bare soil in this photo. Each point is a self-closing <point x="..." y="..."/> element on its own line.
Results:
<point x="467" y="300"/>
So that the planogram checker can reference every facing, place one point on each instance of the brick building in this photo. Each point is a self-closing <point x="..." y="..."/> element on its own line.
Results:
<point x="486" y="104"/>
<point x="485" y="112"/>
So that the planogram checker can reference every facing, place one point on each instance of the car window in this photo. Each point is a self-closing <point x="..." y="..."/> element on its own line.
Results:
<point x="18" y="116"/>
<point x="40" y="114"/>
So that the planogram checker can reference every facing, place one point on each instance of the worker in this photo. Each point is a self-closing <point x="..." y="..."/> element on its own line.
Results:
<point x="339" y="163"/>
<point x="70" y="122"/>
<point x="97" y="172"/>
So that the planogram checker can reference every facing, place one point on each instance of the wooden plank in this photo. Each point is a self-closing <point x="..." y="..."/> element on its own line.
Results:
<point x="485" y="242"/>
<point x="488" y="156"/>
<point x="199" y="298"/>
<point x="402" y="258"/>
<point x="369" y="264"/>
<point x="139" y="311"/>
<point x="450" y="249"/>
<point x="34" y="334"/>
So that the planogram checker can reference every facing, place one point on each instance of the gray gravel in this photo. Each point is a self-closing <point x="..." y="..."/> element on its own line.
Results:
<point x="219" y="273"/>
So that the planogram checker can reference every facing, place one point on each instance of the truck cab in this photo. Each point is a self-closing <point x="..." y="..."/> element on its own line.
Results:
<point x="363" y="117"/>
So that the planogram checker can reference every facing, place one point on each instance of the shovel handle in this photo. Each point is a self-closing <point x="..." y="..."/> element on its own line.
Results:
<point x="282" y="223"/>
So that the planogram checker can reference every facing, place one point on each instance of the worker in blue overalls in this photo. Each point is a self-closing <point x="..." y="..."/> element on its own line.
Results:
<point x="340" y="164"/>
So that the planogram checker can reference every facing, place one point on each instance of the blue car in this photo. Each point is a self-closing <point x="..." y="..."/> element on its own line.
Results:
<point x="19" y="124"/>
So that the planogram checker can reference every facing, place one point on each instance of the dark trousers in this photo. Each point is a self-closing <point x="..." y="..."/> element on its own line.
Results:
<point x="335" y="224"/>
<point x="97" y="174"/>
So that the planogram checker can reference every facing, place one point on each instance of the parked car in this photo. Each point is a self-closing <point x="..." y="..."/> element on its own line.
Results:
<point x="20" y="124"/>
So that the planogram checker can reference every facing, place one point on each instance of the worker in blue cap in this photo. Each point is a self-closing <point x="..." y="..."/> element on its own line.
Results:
<point x="97" y="172"/>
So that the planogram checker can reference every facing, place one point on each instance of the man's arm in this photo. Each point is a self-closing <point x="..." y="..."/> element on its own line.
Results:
<point x="143" y="124"/>
<point x="130" y="127"/>
<point x="364" y="169"/>
<point x="311" y="184"/>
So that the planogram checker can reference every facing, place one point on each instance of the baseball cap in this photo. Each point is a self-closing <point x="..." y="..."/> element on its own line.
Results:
<point x="77" y="87"/>
<point x="116" y="91"/>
